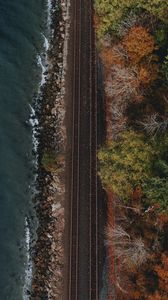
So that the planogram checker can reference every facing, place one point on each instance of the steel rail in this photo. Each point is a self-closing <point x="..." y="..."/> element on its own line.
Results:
<point x="94" y="270"/>
<point x="78" y="97"/>
<point x="75" y="165"/>
<point x="94" y="96"/>
<point x="76" y="125"/>
<point x="96" y="167"/>
<point x="96" y="196"/>
<point x="90" y="206"/>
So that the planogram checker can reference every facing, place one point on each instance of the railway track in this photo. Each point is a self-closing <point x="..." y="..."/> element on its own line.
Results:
<point x="83" y="231"/>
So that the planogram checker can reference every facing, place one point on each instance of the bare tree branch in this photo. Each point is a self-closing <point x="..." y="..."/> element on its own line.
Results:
<point x="122" y="82"/>
<point x="131" y="251"/>
<point x="152" y="125"/>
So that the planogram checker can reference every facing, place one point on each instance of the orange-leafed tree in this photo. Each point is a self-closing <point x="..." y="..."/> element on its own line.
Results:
<point x="139" y="43"/>
<point x="162" y="220"/>
<point x="162" y="272"/>
<point x="148" y="73"/>
<point x="134" y="294"/>
<point x="155" y="296"/>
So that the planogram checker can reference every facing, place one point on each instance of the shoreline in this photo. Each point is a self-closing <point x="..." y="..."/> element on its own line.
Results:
<point x="48" y="254"/>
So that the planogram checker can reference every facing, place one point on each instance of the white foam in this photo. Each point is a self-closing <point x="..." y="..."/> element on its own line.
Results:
<point x="43" y="69"/>
<point x="46" y="43"/>
<point x="33" y="120"/>
<point x="49" y="9"/>
<point x="42" y="61"/>
<point x="34" y="123"/>
<point x="29" y="264"/>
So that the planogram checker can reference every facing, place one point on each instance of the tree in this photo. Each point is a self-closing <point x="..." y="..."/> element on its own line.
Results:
<point x="148" y="72"/>
<point x="133" y="18"/>
<point x="155" y="296"/>
<point x="162" y="272"/>
<point x="123" y="83"/>
<point x="138" y="43"/>
<point x="118" y="118"/>
<point x="154" y="124"/>
<point x="156" y="190"/>
<point x="133" y="161"/>
<point x="119" y="203"/>
<point x="165" y="67"/>
<point x="113" y="56"/>
<point x="126" y="163"/>
<point x="162" y="220"/>
<point x="158" y="8"/>
<point x="135" y="294"/>
<point x="112" y="12"/>
<point x="128" y="251"/>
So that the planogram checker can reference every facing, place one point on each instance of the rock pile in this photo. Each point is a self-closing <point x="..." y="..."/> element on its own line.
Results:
<point x="48" y="255"/>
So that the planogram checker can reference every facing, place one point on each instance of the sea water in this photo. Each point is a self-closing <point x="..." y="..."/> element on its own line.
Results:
<point x="22" y="40"/>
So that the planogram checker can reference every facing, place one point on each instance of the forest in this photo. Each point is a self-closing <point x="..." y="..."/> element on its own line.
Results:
<point x="132" y="41"/>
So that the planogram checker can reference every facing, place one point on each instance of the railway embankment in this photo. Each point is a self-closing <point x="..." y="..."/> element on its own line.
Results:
<point x="48" y="252"/>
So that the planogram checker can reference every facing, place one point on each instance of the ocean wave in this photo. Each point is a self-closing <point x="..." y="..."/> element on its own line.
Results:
<point x="29" y="264"/>
<point x="46" y="43"/>
<point x="42" y="61"/>
<point x="33" y="120"/>
<point x="43" y="69"/>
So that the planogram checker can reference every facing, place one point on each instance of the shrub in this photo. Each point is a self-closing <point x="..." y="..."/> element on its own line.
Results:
<point x="51" y="161"/>
<point x="138" y="43"/>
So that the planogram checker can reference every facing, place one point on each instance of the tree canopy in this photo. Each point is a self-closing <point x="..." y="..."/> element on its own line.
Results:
<point x="111" y="12"/>
<point x="126" y="163"/>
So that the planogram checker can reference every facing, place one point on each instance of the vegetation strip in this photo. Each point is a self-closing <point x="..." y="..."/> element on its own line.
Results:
<point x="132" y="38"/>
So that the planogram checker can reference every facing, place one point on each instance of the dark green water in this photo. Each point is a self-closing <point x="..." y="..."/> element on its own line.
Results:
<point x="21" y="25"/>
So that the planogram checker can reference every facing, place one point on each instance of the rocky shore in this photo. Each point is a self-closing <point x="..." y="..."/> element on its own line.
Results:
<point x="48" y="254"/>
